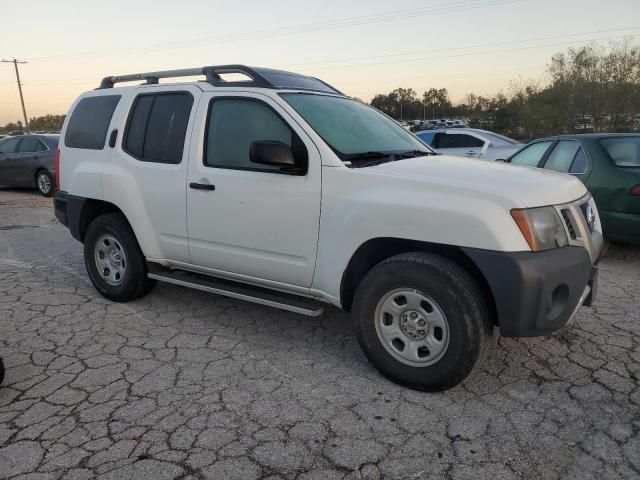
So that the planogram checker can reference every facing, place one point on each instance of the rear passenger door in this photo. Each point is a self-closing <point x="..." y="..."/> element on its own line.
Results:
<point x="255" y="221"/>
<point x="150" y="162"/>
<point x="26" y="163"/>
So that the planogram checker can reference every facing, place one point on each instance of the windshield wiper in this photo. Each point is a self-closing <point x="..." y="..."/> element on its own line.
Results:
<point x="377" y="158"/>
<point x="414" y="153"/>
<point x="366" y="155"/>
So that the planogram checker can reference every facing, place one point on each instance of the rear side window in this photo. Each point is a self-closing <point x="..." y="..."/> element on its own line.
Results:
<point x="562" y="156"/>
<point x="157" y="127"/>
<point x="624" y="151"/>
<point x="31" y="144"/>
<point x="90" y="121"/>
<point x="531" y="155"/>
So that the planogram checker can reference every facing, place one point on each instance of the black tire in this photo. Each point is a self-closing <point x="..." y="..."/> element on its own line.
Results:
<point x="42" y="186"/>
<point x="1" y="371"/>
<point x="134" y="283"/>
<point x="458" y="297"/>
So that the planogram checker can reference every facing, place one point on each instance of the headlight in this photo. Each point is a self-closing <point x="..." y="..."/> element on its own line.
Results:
<point x="541" y="227"/>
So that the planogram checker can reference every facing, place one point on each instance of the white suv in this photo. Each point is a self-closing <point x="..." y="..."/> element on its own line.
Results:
<point x="280" y="190"/>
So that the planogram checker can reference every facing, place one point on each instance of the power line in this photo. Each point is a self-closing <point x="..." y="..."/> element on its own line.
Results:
<point x="24" y="111"/>
<point x="461" y="5"/>
<point x="400" y="54"/>
<point x="475" y="53"/>
<point x="466" y="47"/>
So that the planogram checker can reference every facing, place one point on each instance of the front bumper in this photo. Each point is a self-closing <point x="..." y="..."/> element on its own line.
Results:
<point x="537" y="293"/>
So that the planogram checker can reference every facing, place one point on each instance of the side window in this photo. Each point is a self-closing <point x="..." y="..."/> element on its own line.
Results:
<point x="579" y="164"/>
<point x="426" y="137"/>
<point x="90" y="121"/>
<point x="531" y="155"/>
<point x="29" y="145"/>
<point x="157" y="127"/>
<point x="561" y="157"/>
<point x="234" y="124"/>
<point x="9" y="146"/>
<point x="457" y="140"/>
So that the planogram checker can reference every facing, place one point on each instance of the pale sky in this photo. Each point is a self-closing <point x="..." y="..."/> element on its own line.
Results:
<point x="362" y="47"/>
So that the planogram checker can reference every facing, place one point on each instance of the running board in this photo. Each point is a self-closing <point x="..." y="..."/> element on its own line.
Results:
<point x="241" y="291"/>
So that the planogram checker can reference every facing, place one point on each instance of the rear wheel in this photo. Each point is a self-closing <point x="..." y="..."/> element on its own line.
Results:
<point x="45" y="183"/>
<point x="113" y="259"/>
<point x="422" y="321"/>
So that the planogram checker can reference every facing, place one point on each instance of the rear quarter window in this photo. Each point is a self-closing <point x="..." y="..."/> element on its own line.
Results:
<point x="624" y="151"/>
<point x="90" y="121"/>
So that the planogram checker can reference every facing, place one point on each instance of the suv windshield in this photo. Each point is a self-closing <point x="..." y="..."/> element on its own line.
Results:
<point x="624" y="151"/>
<point x="355" y="131"/>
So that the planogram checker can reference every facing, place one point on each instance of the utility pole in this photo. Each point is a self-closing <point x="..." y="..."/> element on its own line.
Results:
<point x="24" y="111"/>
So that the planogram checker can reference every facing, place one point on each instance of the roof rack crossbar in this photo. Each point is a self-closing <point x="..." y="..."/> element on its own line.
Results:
<point x="212" y="74"/>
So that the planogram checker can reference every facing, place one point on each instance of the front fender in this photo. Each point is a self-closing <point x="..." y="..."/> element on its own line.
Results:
<point x="357" y="208"/>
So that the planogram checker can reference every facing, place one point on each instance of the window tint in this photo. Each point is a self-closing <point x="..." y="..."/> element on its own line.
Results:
<point x="157" y="127"/>
<point x="234" y="124"/>
<point x="90" y="121"/>
<point x="561" y="157"/>
<point x="30" y="144"/>
<point x="531" y="155"/>
<point x="624" y="151"/>
<point x="9" y="146"/>
<point x="456" y="140"/>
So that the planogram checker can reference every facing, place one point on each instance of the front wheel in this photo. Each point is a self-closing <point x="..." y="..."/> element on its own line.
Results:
<point x="114" y="261"/>
<point x="422" y="321"/>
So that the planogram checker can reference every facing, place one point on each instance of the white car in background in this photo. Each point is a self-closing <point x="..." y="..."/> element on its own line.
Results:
<point x="470" y="142"/>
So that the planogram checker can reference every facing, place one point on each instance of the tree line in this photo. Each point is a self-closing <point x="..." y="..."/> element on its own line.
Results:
<point x="592" y="88"/>
<point x="45" y="123"/>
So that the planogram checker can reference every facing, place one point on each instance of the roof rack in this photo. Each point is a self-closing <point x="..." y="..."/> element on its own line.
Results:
<point x="258" y="77"/>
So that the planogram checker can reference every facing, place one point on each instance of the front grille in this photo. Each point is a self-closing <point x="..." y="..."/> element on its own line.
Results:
<point x="566" y="216"/>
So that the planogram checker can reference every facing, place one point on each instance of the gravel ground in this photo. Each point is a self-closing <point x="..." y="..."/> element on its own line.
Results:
<point x="183" y="384"/>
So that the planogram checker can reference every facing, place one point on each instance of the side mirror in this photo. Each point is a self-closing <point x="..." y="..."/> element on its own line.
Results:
<point x="276" y="154"/>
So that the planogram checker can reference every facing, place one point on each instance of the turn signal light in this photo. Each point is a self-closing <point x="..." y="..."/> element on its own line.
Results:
<point x="635" y="191"/>
<point x="58" y="168"/>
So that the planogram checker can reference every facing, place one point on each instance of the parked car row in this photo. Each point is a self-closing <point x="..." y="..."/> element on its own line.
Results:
<point x="418" y="125"/>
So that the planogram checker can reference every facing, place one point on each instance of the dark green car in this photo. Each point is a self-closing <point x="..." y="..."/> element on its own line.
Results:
<point x="609" y="166"/>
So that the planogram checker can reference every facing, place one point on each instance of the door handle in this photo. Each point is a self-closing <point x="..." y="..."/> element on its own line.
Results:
<point x="35" y="157"/>
<point x="113" y="137"/>
<point x="202" y="186"/>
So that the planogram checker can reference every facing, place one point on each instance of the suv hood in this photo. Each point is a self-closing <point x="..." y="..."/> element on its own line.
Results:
<point x="530" y="187"/>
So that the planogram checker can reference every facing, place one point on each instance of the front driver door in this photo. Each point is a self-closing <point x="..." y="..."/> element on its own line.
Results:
<point x="253" y="220"/>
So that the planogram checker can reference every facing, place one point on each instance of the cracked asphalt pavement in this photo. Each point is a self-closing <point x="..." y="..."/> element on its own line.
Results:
<point x="184" y="384"/>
